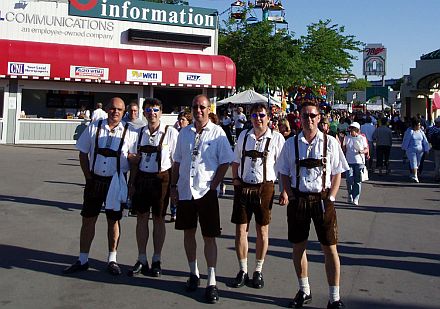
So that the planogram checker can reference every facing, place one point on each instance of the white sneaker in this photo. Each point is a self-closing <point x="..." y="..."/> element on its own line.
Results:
<point x="414" y="179"/>
<point x="356" y="201"/>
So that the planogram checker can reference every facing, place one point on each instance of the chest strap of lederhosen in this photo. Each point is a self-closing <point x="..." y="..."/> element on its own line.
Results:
<point x="153" y="149"/>
<point x="109" y="152"/>
<point x="254" y="155"/>
<point x="322" y="163"/>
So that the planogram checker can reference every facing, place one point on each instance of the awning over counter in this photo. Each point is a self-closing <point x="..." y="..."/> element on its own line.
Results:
<point x="32" y="60"/>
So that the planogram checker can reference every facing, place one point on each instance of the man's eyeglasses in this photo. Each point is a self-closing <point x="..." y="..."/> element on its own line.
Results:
<point x="196" y="107"/>
<point x="154" y="109"/>
<point x="306" y="116"/>
<point x="260" y="115"/>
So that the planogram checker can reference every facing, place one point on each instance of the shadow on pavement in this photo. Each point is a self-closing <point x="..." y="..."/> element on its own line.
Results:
<point x="36" y="201"/>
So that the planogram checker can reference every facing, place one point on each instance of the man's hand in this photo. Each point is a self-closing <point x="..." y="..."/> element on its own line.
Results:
<point x="284" y="198"/>
<point x="174" y="195"/>
<point x="134" y="158"/>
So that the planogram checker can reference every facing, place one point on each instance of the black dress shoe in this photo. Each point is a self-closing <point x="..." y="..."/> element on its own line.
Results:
<point x="335" y="305"/>
<point x="156" y="271"/>
<point x="257" y="280"/>
<point x="76" y="267"/>
<point x="300" y="299"/>
<point x="137" y="269"/>
<point x="241" y="279"/>
<point x="211" y="294"/>
<point x="192" y="283"/>
<point x="113" y="269"/>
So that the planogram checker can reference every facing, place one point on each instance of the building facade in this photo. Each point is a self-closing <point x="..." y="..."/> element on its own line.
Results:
<point x="60" y="55"/>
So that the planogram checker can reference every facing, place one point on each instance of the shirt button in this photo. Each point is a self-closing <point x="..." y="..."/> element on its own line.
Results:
<point x="103" y="171"/>
<point x="105" y="162"/>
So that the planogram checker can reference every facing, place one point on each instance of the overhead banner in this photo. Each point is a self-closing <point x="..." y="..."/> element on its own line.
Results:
<point x="144" y="76"/>
<point x="194" y="78"/>
<point x="375" y="56"/>
<point x="88" y="72"/>
<point x="28" y="69"/>
<point x="146" y="12"/>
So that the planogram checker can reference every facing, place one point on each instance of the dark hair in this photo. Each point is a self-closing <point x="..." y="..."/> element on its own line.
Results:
<point x="258" y="106"/>
<point x="213" y="117"/>
<point x="187" y="115"/>
<point x="152" y="102"/>
<point x="415" y="122"/>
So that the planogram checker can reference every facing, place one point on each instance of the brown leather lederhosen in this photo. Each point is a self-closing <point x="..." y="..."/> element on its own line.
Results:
<point x="101" y="183"/>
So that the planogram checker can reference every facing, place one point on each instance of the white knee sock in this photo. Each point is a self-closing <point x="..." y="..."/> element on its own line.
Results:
<point x="112" y="256"/>
<point x="193" y="268"/>
<point x="83" y="258"/>
<point x="243" y="265"/>
<point x="304" y="285"/>
<point x="211" y="276"/>
<point x="333" y="293"/>
<point x="259" y="265"/>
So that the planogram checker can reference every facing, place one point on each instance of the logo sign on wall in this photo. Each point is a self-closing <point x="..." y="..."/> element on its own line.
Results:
<point x="375" y="59"/>
<point x="194" y="78"/>
<point x="28" y="69"/>
<point x="88" y="72"/>
<point x="144" y="76"/>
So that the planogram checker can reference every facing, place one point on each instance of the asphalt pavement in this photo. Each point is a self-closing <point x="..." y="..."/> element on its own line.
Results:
<point x="389" y="245"/>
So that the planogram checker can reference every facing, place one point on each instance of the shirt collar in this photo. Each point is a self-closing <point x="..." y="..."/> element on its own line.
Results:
<point x="209" y="126"/>
<point x="319" y="136"/>
<point x="120" y="125"/>
<point x="267" y="134"/>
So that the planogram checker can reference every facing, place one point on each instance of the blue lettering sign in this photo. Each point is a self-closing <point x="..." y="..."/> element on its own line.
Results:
<point x="16" y="68"/>
<point x="193" y="77"/>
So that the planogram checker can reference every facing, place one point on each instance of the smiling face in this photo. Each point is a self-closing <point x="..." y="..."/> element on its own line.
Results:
<point x="115" y="111"/>
<point x="259" y="117"/>
<point x="153" y="113"/>
<point x="200" y="109"/>
<point x="310" y="118"/>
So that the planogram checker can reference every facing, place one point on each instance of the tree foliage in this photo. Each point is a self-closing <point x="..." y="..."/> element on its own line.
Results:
<point x="264" y="57"/>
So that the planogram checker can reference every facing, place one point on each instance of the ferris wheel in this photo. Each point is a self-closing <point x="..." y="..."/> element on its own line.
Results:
<point x="271" y="10"/>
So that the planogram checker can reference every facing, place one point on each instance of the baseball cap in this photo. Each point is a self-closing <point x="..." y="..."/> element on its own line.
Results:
<point x="355" y="125"/>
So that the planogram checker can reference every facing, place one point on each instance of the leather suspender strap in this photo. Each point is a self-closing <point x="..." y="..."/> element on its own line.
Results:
<point x="95" y="153"/>
<point x="243" y="152"/>
<point x="266" y="151"/>
<point x="139" y="140"/>
<point x="118" y="162"/>
<point x="159" y="150"/>
<point x="324" y="168"/>
<point x="297" y="162"/>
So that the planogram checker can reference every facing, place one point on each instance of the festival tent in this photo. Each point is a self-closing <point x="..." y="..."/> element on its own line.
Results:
<point x="247" y="97"/>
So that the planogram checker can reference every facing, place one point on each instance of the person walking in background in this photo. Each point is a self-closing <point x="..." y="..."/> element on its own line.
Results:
<point x="310" y="165"/>
<point x="415" y="144"/>
<point x="150" y="185"/>
<point x="383" y="137"/>
<point x="433" y="135"/>
<point x="355" y="147"/>
<point x="368" y="129"/>
<point x="104" y="150"/>
<point x="239" y="121"/>
<point x="226" y="124"/>
<point x="201" y="159"/>
<point x="99" y="113"/>
<point x="253" y="174"/>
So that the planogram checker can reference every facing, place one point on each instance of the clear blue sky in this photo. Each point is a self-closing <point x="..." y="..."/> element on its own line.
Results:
<point x="407" y="28"/>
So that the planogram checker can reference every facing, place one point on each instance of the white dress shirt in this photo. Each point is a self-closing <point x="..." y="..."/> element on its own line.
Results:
<point x="99" y="113"/>
<point x="106" y="166"/>
<point x="253" y="171"/>
<point x="311" y="179"/>
<point x="148" y="161"/>
<point x="198" y="166"/>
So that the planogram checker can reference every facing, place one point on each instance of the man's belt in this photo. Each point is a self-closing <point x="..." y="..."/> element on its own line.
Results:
<point x="107" y="152"/>
<point x="255" y="154"/>
<point x="311" y="163"/>
<point x="150" y="149"/>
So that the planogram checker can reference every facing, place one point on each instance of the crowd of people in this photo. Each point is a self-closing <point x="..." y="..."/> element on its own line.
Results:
<point x="146" y="166"/>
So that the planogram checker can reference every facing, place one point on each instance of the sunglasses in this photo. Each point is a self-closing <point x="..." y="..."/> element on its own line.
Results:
<point x="260" y="115"/>
<point x="149" y="110"/>
<point x="309" y="115"/>
<point x="196" y="107"/>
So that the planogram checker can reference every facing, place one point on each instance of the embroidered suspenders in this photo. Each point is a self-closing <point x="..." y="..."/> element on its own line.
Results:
<point x="108" y="152"/>
<point x="254" y="154"/>
<point x="311" y="163"/>
<point x="153" y="149"/>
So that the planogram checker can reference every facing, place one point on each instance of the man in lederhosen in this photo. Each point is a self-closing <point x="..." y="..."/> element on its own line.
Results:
<point x="105" y="147"/>
<point x="202" y="157"/>
<point x="310" y="165"/>
<point x="253" y="172"/>
<point x="156" y="144"/>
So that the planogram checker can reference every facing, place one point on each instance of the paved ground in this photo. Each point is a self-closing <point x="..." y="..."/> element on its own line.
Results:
<point x="389" y="246"/>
